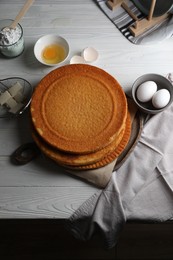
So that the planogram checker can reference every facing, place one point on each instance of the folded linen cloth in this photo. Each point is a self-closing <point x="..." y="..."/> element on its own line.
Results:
<point x="141" y="189"/>
<point x="122" y="21"/>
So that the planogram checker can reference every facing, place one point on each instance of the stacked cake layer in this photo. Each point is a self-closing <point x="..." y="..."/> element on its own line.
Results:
<point x="80" y="117"/>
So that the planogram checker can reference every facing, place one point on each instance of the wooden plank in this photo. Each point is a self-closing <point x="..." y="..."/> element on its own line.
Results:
<point x="146" y="241"/>
<point x="41" y="172"/>
<point x="41" y="202"/>
<point x="47" y="239"/>
<point x="83" y="24"/>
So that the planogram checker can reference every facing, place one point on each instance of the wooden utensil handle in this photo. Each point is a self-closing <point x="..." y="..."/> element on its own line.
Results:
<point x="150" y="16"/>
<point x="25" y="153"/>
<point x="21" y="13"/>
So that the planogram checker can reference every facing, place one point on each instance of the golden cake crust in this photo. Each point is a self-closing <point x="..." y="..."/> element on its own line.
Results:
<point x="109" y="157"/>
<point x="65" y="158"/>
<point x="89" y="161"/>
<point x="78" y="109"/>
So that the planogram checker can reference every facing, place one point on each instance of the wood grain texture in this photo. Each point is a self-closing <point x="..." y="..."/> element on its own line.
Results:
<point x="40" y="201"/>
<point x="41" y="189"/>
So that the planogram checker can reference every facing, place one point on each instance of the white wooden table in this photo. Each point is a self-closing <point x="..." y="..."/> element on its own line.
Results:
<point x="41" y="189"/>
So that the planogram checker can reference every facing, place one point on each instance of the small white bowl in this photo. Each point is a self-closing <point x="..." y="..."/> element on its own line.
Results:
<point x="47" y="41"/>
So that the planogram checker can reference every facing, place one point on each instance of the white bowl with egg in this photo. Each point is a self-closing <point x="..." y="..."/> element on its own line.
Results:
<point x="51" y="50"/>
<point x="152" y="93"/>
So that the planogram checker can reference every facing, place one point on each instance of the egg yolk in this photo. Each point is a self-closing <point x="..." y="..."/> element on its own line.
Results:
<point x="53" y="54"/>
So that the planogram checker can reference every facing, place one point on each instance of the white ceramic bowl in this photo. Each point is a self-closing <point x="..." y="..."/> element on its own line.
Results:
<point x="162" y="83"/>
<point x="51" y="41"/>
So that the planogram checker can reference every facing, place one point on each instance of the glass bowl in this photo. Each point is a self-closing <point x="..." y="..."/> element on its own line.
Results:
<point x="11" y="40"/>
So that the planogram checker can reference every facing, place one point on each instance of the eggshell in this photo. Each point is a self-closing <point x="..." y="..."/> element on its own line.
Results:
<point x="90" y="54"/>
<point x="161" y="98"/>
<point x="146" y="91"/>
<point x="76" y="59"/>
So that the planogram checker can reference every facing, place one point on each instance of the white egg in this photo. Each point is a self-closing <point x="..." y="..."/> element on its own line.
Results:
<point x="161" y="98"/>
<point x="146" y="90"/>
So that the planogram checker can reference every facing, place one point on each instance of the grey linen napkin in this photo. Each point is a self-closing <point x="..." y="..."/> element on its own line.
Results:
<point x="141" y="189"/>
<point x="122" y="21"/>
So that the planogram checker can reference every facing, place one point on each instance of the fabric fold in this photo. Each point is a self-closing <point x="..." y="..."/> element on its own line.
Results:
<point x="141" y="189"/>
<point x="96" y="214"/>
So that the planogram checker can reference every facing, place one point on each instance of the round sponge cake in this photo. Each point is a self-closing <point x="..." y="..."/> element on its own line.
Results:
<point x="78" y="109"/>
<point x="87" y="161"/>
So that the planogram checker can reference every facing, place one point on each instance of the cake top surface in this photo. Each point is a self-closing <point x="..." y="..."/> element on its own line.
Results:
<point x="78" y="108"/>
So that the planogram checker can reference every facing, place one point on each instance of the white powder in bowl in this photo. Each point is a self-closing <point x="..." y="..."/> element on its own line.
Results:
<point x="9" y="36"/>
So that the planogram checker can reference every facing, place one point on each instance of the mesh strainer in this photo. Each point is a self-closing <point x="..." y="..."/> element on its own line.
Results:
<point x="25" y="96"/>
